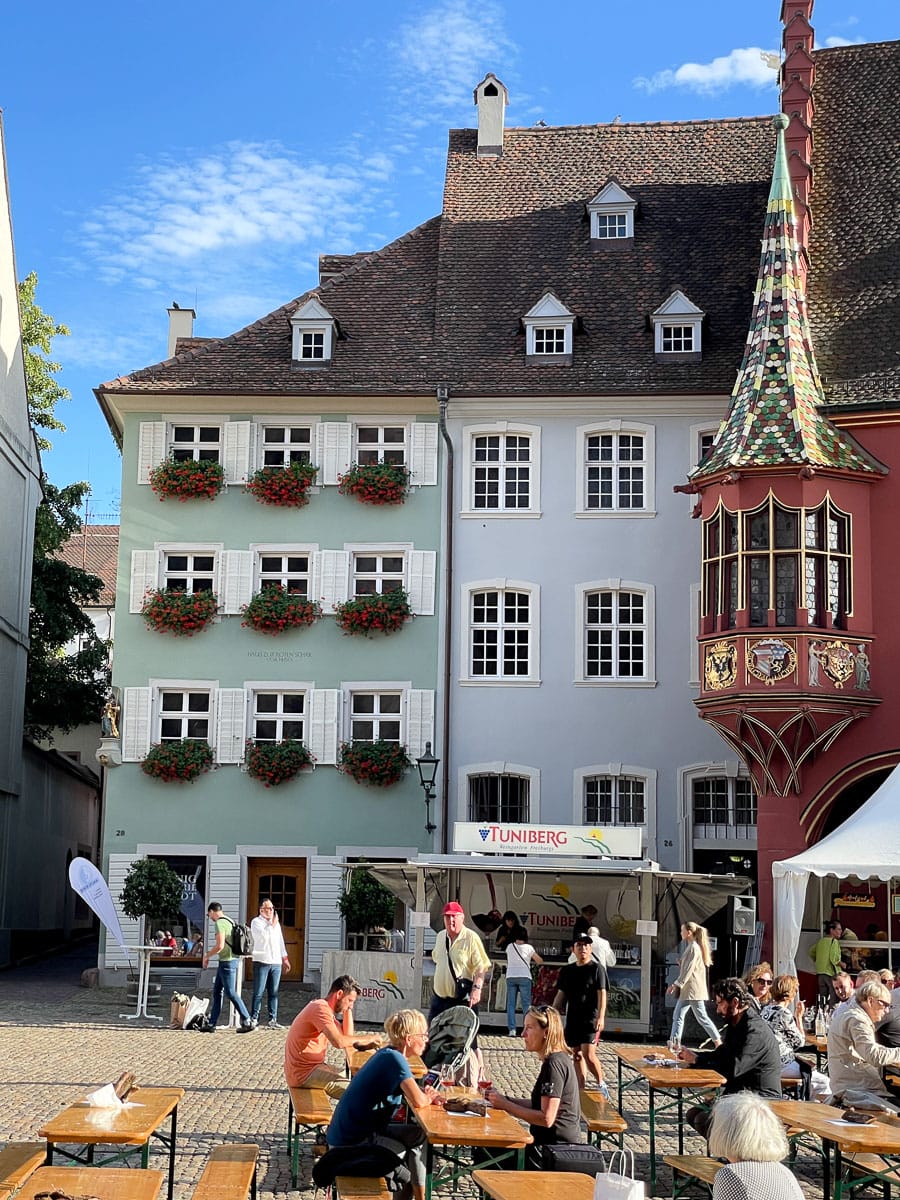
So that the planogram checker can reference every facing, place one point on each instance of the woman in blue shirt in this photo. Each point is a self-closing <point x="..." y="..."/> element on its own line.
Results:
<point x="365" y="1110"/>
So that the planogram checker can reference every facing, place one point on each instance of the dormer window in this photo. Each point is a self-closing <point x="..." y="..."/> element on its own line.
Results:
<point x="612" y="215"/>
<point x="548" y="332"/>
<point x="677" y="325"/>
<point x="313" y="331"/>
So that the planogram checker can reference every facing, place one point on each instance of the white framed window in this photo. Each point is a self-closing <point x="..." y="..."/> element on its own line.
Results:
<point x="367" y="570"/>
<point x="184" y="567"/>
<point x="611" y="214"/>
<point x="375" y="715"/>
<point x="501" y="470"/>
<point x="290" y="569"/>
<point x="184" y="712"/>
<point x="616" y="794"/>
<point x="616" y="622"/>
<point x="313" y="334"/>
<point x="376" y="443"/>
<point x="677" y="326"/>
<point x="200" y="442"/>
<point x="188" y="570"/>
<point x="277" y="714"/>
<point x="203" y="439"/>
<point x="374" y="573"/>
<point x="501" y="643"/>
<point x="720" y="808"/>
<point x="702" y="438"/>
<point x="499" y="791"/>
<point x="617" y="470"/>
<point x="549" y="327"/>
<point x="280" y="445"/>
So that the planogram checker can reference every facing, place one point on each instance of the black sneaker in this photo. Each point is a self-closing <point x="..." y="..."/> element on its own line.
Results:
<point x="245" y="1027"/>
<point x="205" y="1028"/>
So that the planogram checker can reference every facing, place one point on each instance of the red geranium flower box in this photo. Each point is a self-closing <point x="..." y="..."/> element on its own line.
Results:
<point x="274" y="611"/>
<point x="378" y="763"/>
<point x="187" y="479"/>
<point x="384" y="612"/>
<point x="375" y="483"/>
<point x="283" y="487"/>
<point x="273" y="763"/>
<point x="180" y="613"/>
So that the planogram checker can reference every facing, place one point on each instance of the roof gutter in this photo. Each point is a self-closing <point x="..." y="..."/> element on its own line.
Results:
<point x="443" y="398"/>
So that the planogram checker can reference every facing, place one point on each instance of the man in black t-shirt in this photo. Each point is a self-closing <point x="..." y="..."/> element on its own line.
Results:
<point x="581" y="995"/>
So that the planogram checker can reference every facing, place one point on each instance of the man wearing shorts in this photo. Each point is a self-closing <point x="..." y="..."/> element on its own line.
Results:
<point x="315" y="1028"/>
<point x="581" y="995"/>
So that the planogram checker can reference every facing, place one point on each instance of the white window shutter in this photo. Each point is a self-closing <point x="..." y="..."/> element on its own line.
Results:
<point x="237" y="451"/>
<point x="419" y="721"/>
<point x="114" y="955"/>
<point x="420" y="569"/>
<point x="224" y="887"/>
<point x="144" y="577"/>
<point x="323" y="918"/>
<point x="335" y="441"/>
<point x="135" y="723"/>
<point x="235" y="579"/>
<point x="423" y="452"/>
<point x="322" y="725"/>
<point x="151" y="448"/>
<point x="230" y="708"/>
<point x="332" y="578"/>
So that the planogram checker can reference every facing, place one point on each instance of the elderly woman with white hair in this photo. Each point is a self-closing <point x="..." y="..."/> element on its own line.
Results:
<point x="746" y="1133"/>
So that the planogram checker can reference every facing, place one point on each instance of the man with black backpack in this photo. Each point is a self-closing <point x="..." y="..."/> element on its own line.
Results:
<point x="226" y="975"/>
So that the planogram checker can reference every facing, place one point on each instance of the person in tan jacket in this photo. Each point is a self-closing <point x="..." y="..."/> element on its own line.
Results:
<point x="690" y="987"/>
<point x="855" y="1059"/>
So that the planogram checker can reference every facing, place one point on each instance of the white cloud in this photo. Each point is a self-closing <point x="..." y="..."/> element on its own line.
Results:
<point x="837" y="40"/>
<point x="741" y="68"/>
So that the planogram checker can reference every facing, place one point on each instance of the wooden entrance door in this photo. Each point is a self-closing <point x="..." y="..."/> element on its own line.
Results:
<point x="283" y="880"/>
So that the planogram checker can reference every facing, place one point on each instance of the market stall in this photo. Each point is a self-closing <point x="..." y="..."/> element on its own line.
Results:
<point x="639" y="911"/>
<point x="857" y="868"/>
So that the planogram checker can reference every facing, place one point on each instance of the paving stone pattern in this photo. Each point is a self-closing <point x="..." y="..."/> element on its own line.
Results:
<point x="58" y="1040"/>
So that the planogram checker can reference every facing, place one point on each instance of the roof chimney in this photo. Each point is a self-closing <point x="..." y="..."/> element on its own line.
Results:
<point x="491" y="97"/>
<point x="181" y="325"/>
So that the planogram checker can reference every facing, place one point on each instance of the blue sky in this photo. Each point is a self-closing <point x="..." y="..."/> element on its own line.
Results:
<point x="208" y="153"/>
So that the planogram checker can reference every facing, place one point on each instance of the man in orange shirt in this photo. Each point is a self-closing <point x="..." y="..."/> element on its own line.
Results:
<point x="311" y="1032"/>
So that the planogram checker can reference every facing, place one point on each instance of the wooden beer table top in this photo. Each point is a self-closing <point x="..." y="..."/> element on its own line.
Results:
<point x="133" y="1125"/>
<point x="357" y="1059"/>
<point x="825" y="1122"/>
<point x="497" y="1128"/>
<point x="107" y="1183"/>
<point x="684" y="1076"/>
<point x="534" y="1185"/>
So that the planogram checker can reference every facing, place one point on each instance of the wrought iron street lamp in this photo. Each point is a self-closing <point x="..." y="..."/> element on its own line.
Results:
<point x="427" y="766"/>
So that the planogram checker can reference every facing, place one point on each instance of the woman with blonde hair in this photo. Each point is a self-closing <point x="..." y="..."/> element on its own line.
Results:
<point x="746" y="1133"/>
<point x="759" y="980"/>
<point x="785" y="1024"/>
<point x="553" y="1111"/>
<point x="691" y="987"/>
<point x="377" y="1091"/>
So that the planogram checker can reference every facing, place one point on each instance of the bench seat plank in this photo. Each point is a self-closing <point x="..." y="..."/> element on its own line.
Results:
<point x="352" y="1187"/>
<point x="230" y="1173"/>
<point x="18" y="1162"/>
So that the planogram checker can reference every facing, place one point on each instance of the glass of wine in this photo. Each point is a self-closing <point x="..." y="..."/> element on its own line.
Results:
<point x="674" y="1046"/>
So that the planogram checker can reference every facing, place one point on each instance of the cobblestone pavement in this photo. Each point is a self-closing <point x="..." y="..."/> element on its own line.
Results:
<point x="58" y="1039"/>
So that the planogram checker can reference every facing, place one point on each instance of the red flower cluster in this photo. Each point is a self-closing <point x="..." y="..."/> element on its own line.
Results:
<point x="382" y="613"/>
<point x="187" y="479"/>
<point x="179" y="613"/>
<point x="178" y="762"/>
<point x="274" y="611"/>
<point x="377" y="763"/>
<point x="375" y="483"/>
<point x="273" y="763"/>
<point x="285" y="487"/>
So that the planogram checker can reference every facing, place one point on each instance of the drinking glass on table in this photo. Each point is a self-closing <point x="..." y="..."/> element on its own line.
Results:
<point x="674" y="1045"/>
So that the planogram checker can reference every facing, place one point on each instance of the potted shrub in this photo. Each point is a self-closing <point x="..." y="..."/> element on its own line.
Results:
<point x="151" y="890"/>
<point x="187" y="479"/>
<point x="178" y="762"/>
<point x="384" y="612"/>
<point x="284" y="487"/>
<point x="273" y="763"/>
<point x="365" y="904"/>
<point x="375" y="483"/>
<point x="166" y="610"/>
<point x="377" y="763"/>
<point x="274" y="611"/>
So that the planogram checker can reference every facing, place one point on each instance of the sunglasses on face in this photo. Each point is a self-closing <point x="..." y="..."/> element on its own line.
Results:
<point x="764" y="979"/>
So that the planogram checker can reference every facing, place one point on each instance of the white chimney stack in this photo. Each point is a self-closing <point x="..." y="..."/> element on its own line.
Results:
<point x="491" y="98"/>
<point x="181" y="325"/>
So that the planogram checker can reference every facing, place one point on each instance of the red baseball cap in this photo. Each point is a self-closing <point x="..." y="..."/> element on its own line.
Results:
<point x="453" y="907"/>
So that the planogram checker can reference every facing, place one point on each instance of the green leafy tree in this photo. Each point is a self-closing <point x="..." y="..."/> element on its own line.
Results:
<point x="151" y="889"/>
<point x="44" y="390"/>
<point x="366" y="902"/>
<point x="62" y="690"/>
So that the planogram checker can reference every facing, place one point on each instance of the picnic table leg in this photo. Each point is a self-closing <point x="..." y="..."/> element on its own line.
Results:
<point x="826" y="1169"/>
<point x="652" y="1141"/>
<point x="290" y="1121"/>
<point x="429" y="1170"/>
<point x="295" y="1157"/>
<point x="620" y="1084"/>
<point x="520" y="1159"/>
<point x="173" y="1129"/>
<point x="680" y="1121"/>
<point x="49" y="1159"/>
<point x="838" y="1172"/>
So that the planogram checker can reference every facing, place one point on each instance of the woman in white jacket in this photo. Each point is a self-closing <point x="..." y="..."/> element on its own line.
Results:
<point x="690" y="986"/>
<point x="269" y="956"/>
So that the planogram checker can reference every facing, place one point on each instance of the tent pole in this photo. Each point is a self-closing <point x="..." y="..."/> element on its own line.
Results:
<point x="420" y="939"/>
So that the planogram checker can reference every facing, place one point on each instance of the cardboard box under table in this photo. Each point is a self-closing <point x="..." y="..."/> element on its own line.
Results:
<point x="129" y="1129"/>
<point x="497" y="1133"/>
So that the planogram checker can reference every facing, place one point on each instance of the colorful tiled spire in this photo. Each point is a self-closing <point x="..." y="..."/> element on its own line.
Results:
<point x="774" y="417"/>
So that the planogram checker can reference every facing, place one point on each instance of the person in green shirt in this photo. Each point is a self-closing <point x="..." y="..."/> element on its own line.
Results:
<point x="826" y="954"/>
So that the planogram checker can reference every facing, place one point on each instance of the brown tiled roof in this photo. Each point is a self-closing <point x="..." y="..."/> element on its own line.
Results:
<point x="95" y="550"/>
<point x="854" y="281"/>
<point x="445" y="301"/>
<point x="384" y="305"/>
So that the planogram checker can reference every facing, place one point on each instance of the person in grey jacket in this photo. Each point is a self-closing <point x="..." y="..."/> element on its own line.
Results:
<point x="855" y="1059"/>
<point x="690" y="987"/>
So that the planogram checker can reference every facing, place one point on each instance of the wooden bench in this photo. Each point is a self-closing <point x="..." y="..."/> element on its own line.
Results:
<point x="361" y="1188"/>
<point x="18" y="1162"/>
<point x="873" y="1164"/>
<point x="311" y="1109"/>
<point x="688" y="1169"/>
<point x="230" y="1173"/>
<point x="603" y="1120"/>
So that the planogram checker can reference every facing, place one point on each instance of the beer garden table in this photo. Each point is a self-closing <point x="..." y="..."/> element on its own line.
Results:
<point x="496" y="1131"/>
<point x="533" y="1185"/>
<point x="131" y="1126"/>
<point x="107" y="1183"/>
<point x="840" y="1138"/>
<point x="357" y="1059"/>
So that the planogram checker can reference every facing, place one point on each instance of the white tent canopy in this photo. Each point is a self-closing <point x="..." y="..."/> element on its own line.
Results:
<point x="866" y="846"/>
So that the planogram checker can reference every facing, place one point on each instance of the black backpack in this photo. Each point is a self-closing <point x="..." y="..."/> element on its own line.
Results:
<point x="240" y="939"/>
<point x="366" y="1159"/>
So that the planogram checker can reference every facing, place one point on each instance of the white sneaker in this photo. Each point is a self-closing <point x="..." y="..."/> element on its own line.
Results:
<point x="273" y="1024"/>
<point x="512" y="1033"/>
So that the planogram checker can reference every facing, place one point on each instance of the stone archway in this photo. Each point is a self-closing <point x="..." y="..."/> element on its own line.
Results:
<point x="850" y="799"/>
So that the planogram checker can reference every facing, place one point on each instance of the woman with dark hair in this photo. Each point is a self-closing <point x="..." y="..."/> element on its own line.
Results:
<point x="519" y="957"/>
<point x="507" y="929"/>
<point x="553" y="1111"/>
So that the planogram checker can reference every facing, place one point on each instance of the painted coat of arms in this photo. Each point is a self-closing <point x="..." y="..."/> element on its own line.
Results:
<point x="720" y="666"/>
<point x="771" y="659"/>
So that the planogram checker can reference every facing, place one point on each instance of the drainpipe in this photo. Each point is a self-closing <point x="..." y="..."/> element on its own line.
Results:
<point x="443" y="397"/>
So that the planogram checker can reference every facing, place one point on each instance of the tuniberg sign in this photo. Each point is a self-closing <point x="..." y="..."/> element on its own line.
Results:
<point x="581" y="841"/>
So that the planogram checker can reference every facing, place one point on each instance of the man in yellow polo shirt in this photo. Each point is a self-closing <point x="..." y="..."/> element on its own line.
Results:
<point x="460" y="963"/>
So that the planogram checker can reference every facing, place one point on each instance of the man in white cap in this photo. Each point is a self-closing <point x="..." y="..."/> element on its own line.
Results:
<point x="460" y="963"/>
